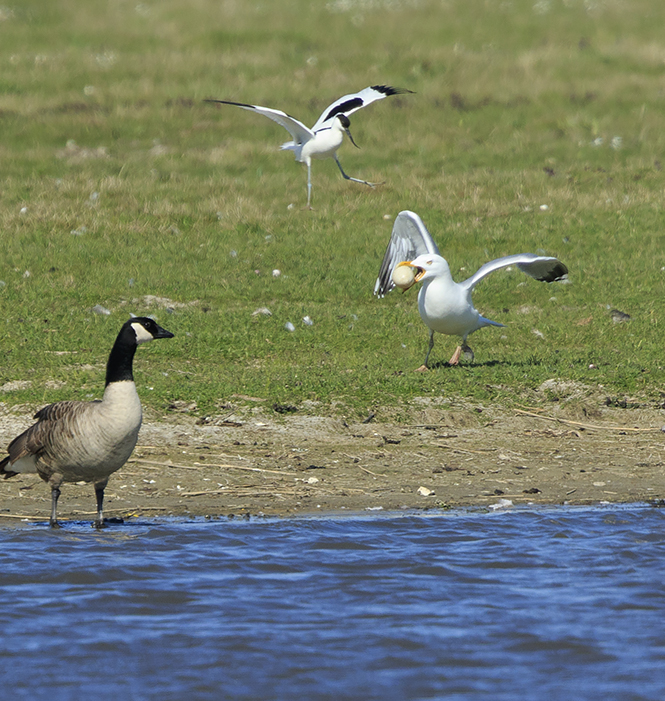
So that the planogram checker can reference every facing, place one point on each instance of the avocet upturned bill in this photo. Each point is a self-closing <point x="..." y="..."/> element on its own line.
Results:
<point x="326" y="136"/>
<point x="445" y="305"/>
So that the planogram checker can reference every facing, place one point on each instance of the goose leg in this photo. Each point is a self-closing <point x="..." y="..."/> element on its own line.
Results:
<point x="55" y="495"/>
<point x="99" y="494"/>
<point x="348" y="177"/>
<point x="424" y="366"/>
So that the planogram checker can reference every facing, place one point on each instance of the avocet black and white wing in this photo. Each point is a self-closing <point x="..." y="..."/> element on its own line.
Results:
<point x="299" y="132"/>
<point x="408" y="240"/>
<point x="350" y="103"/>
<point x="543" y="268"/>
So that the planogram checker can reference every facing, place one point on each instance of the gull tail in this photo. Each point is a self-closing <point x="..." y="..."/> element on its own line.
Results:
<point x="482" y="321"/>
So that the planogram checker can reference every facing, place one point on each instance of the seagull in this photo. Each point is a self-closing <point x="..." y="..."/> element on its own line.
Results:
<point x="445" y="305"/>
<point x="326" y="136"/>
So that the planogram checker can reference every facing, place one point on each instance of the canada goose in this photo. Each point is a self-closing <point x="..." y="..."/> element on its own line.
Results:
<point x="445" y="305"/>
<point x="87" y="441"/>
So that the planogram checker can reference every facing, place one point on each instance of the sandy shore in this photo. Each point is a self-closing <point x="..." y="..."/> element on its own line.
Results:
<point x="292" y="465"/>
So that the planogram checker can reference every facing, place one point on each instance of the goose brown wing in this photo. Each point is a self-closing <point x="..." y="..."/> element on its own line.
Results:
<point x="40" y="435"/>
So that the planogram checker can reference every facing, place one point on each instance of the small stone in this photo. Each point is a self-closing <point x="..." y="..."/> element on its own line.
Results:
<point x="289" y="326"/>
<point x="619" y="316"/>
<point x="501" y="504"/>
<point x="307" y="321"/>
<point x="98" y="309"/>
<point x="262" y="311"/>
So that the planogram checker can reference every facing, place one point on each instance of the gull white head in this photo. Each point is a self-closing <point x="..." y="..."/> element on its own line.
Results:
<point x="429" y="266"/>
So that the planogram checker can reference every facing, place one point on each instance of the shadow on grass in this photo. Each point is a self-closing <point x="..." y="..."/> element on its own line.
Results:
<point x="469" y="366"/>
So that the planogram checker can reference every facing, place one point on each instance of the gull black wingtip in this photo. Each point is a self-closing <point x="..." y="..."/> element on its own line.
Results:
<point x="559" y="272"/>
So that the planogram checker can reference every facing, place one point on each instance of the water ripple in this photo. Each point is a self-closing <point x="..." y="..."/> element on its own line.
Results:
<point x="556" y="603"/>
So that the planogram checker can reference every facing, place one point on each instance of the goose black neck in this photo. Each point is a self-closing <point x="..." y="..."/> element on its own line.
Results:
<point x="121" y="359"/>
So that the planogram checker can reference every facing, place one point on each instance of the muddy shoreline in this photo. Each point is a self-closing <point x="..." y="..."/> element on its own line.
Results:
<point x="289" y="465"/>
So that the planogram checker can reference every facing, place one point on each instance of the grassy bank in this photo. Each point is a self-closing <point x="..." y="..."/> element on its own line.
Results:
<point x="534" y="127"/>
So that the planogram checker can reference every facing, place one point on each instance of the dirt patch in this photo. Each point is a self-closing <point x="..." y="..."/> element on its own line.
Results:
<point x="288" y="464"/>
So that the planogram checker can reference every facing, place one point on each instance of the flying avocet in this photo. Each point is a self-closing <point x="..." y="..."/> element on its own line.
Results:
<point x="326" y="136"/>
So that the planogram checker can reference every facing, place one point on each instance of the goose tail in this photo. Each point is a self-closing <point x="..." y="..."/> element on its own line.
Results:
<point x="6" y="473"/>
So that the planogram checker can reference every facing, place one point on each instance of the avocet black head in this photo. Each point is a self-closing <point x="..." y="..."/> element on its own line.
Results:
<point x="346" y="123"/>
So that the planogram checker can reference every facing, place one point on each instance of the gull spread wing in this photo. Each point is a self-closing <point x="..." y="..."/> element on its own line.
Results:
<point x="543" y="268"/>
<point x="300" y="133"/>
<point x="350" y="103"/>
<point x="408" y="240"/>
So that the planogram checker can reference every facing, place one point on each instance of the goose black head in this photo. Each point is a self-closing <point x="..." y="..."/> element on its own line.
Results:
<point x="346" y="123"/>
<point x="147" y="329"/>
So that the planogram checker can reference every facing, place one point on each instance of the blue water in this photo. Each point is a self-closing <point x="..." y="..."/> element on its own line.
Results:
<point x="557" y="603"/>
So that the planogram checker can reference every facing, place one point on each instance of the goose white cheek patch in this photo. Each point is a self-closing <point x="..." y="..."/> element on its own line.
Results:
<point x="142" y="336"/>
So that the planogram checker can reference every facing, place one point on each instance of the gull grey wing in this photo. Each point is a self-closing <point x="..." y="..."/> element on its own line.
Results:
<point x="543" y="268"/>
<point x="408" y="240"/>
<point x="300" y="133"/>
<point x="348" y="104"/>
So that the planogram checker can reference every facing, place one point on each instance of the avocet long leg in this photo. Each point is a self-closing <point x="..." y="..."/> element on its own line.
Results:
<point x="309" y="184"/>
<point x="348" y="177"/>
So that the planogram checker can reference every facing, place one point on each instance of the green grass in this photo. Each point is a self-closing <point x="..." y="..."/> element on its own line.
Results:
<point x="517" y="105"/>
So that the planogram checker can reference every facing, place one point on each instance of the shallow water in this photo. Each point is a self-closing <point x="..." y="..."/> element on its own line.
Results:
<point x="557" y="603"/>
